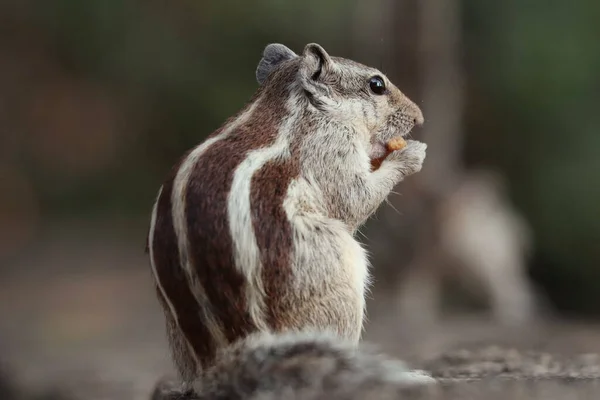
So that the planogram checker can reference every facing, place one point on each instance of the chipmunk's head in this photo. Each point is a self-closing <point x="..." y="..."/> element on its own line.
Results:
<point x="345" y="92"/>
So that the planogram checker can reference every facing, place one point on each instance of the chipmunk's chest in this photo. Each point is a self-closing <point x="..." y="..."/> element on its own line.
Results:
<point x="329" y="279"/>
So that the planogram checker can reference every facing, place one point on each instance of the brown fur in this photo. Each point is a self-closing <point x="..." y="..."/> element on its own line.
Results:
<point x="188" y="318"/>
<point x="209" y="236"/>
<point x="207" y="220"/>
<point x="273" y="232"/>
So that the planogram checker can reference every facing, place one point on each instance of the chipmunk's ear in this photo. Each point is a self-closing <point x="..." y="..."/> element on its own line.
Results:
<point x="273" y="55"/>
<point x="315" y="63"/>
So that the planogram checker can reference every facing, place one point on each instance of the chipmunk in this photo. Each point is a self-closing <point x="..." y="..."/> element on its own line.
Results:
<point x="253" y="231"/>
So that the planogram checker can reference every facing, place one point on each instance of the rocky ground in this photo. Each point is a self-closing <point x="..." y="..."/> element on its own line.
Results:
<point x="86" y="321"/>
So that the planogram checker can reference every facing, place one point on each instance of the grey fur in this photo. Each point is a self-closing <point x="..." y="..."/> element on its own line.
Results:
<point x="303" y="366"/>
<point x="273" y="55"/>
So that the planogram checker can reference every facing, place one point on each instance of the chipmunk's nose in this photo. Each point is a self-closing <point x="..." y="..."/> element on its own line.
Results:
<point x="413" y="111"/>
<point x="417" y="116"/>
<point x="409" y="108"/>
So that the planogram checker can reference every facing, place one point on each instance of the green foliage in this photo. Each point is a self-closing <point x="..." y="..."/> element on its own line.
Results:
<point x="185" y="68"/>
<point x="540" y="61"/>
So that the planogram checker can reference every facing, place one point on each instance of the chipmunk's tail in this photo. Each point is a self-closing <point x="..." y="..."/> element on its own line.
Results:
<point x="300" y="365"/>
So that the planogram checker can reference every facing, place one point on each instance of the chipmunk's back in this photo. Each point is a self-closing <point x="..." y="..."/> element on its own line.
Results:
<point x="207" y="214"/>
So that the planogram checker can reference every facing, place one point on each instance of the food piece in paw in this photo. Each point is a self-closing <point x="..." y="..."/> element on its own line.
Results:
<point x="391" y="146"/>
<point x="396" y="144"/>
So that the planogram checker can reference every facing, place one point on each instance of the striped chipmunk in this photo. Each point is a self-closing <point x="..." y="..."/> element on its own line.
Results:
<point x="251" y="238"/>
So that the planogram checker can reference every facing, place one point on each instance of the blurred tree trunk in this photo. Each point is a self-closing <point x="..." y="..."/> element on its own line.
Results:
<point x="452" y="221"/>
<point x="439" y="91"/>
<point x="388" y="36"/>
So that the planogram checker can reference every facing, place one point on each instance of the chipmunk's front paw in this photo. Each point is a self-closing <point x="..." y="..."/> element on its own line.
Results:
<point x="410" y="158"/>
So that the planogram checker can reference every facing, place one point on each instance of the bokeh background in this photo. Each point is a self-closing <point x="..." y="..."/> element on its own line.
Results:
<point x="99" y="98"/>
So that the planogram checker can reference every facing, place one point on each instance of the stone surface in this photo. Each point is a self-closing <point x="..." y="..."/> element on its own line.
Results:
<point x="87" y="322"/>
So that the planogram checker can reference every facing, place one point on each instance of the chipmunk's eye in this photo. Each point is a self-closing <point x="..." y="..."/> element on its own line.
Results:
<point x="377" y="85"/>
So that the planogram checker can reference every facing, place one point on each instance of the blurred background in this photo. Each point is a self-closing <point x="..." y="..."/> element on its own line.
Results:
<point x="99" y="98"/>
